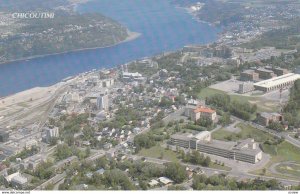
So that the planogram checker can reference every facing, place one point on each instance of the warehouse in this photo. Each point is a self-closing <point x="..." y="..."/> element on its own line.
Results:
<point x="277" y="82"/>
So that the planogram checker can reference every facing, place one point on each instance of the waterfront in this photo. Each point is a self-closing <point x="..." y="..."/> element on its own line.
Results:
<point x="162" y="27"/>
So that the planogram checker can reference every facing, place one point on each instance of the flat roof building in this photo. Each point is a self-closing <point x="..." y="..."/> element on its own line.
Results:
<point x="246" y="87"/>
<point x="277" y="82"/>
<point x="265" y="118"/>
<point x="279" y="71"/>
<point x="16" y="180"/>
<point x="249" y="75"/>
<point x="245" y="150"/>
<point x="265" y="73"/>
<point x="132" y="76"/>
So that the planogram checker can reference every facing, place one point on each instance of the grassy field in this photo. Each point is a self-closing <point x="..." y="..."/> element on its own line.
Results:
<point x="207" y="92"/>
<point x="287" y="152"/>
<point x="291" y="169"/>
<point x="247" y="131"/>
<point x="157" y="151"/>
<point x="262" y="105"/>
<point x="282" y="153"/>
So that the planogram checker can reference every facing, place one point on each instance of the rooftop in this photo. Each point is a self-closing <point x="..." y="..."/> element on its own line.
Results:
<point x="127" y="74"/>
<point x="265" y="70"/>
<point x="202" y="135"/>
<point x="19" y="179"/>
<point x="249" y="151"/>
<point x="184" y="137"/>
<point x="269" y="115"/>
<point x="278" y="80"/>
<point x="221" y="144"/>
<point x="204" y="110"/>
<point x="249" y="71"/>
<point x="165" y="180"/>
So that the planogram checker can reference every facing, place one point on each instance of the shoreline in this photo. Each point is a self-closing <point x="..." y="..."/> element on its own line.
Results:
<point x="131" y="36"/>
<point x="74" y="3"/>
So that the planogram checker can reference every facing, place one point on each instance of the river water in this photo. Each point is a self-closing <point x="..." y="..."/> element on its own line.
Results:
<point x="163" y="28"/>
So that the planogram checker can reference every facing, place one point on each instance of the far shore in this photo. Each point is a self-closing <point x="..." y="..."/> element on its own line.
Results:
<point x="131" y="36"/>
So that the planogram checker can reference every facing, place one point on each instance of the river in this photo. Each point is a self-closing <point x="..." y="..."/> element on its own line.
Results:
<point x="162" y="26"/>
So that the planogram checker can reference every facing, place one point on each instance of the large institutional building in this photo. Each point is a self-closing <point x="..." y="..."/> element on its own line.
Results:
<point x="246" y="150"/>
<point x="277" y="82"/>
<point x="197" y="111"/>
<point x="103" y="102"/>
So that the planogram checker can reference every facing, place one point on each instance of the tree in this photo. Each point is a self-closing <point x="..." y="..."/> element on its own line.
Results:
<point x="276" y="126"/>
<point x="116" y="178"/>
<point x="207" y="161"/>
<point x="44" y="170"/>
<point x="175" y="172"/>
<point x="165" y="102"/>
<point x="63" y="151"/>
<point x="197" y="158"/>
<point x="205" y="122"/>
<point x="143" y="185"/>
<point x="143" y="141"/>
<point x="199" y="182"/>
<point x="264" y="171"/>
<point x="177" y="127"/>
<point x="161" y="155"/>
<point x="225" y="119"/>
<point x="53" y="141"/>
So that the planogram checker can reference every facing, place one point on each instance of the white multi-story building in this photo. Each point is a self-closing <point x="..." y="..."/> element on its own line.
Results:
<point x="103" y="102"/>
<point x="52" y="133"/>
<point x="277" y="83"/>
<point x="245" y="150"/>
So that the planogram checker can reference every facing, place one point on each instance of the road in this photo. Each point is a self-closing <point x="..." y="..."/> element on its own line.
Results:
<point x="212" y="171"/>
<point x="53" y="180"/>
<point x="284" y="135"/>
<point x="290" y="139"/>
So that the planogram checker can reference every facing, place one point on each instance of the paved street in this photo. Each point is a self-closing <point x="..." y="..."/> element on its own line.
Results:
<point x="211" y="171"/>
<point x="288" y="138"/>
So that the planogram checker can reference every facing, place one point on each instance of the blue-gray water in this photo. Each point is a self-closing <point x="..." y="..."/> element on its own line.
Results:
<point x="163" y="28"/>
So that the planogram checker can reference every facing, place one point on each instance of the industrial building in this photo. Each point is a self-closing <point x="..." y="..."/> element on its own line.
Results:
<point x="277" y="82"/>
<point x="245" y="150"/>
